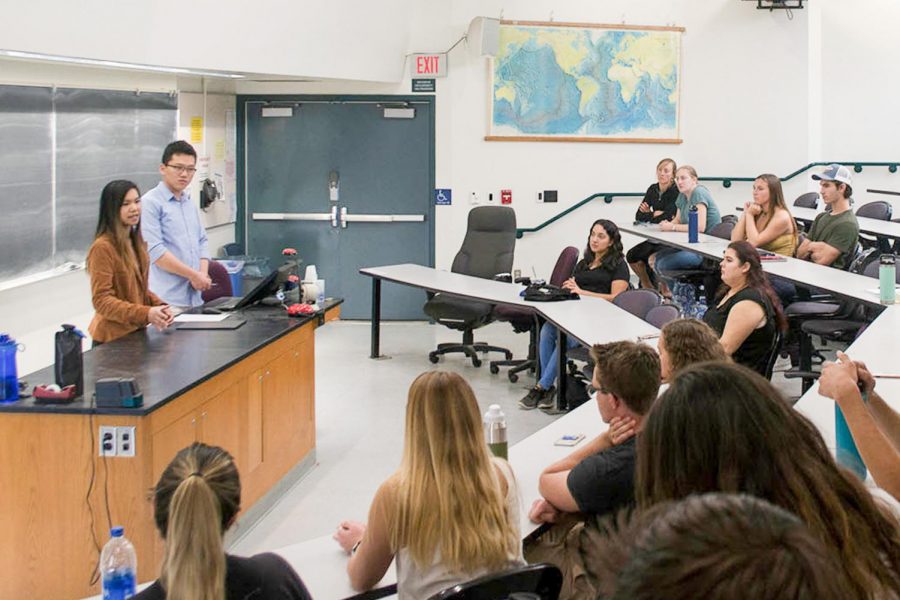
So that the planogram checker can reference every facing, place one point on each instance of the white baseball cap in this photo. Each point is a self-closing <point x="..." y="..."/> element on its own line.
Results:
<point x="835" y="172"/>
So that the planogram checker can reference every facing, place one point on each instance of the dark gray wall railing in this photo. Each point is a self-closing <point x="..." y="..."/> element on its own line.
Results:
<point x="726" y="182"/>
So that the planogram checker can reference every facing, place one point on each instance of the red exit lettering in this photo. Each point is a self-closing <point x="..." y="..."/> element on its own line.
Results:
<point x="426" y="65"/>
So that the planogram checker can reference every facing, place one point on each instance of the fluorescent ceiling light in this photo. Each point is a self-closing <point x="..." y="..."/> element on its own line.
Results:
<point x="113" y="64"/>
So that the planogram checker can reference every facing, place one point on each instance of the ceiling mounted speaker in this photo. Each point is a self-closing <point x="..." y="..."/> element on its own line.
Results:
<point x="483" y="37"/>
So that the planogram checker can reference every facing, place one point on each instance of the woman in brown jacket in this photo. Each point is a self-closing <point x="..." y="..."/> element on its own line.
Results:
<point x="118" y="265"/>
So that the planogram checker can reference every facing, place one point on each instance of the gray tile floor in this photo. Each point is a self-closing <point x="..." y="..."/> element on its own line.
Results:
<point x="360" y="406"/>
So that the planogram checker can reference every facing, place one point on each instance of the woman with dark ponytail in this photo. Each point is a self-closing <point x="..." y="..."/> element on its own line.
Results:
<point x="195" y="501"/>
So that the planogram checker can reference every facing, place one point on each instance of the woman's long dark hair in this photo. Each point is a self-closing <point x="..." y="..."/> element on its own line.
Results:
<point x="756" y="279"/>
<point x="613" y="254"/>
<point x="110" y="222"/>
<point x="723" y="428"/>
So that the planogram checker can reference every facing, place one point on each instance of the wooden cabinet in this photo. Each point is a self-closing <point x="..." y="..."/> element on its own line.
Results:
<point x="260" y="409"/>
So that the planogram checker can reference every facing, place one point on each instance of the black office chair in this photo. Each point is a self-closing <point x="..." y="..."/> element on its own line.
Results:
<point x="882" y="211"/>
<point x="540" y="581"/>
<point x="487" y="250"/>
<point x="799" y="313"/>
<point x="524" y="319"/>
<point x="807" y="200"/>
<point x="842" y="329"/>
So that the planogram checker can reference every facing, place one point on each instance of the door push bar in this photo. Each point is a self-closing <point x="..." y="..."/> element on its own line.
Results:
<point x="348" y="218"/>
<point x="329" y="216"/>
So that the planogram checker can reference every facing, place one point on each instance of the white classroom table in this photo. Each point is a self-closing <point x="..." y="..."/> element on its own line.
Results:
<point x="879" y="348"/>
<point x="839" y="282"/>
<point x="589" y="320"/>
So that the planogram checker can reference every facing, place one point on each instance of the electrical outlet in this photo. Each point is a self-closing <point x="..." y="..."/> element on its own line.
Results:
<point x="474" y="198"/>
<point x="490" y="197"/>
<point x="125" y="441"/>
<point x="107" y="440"/>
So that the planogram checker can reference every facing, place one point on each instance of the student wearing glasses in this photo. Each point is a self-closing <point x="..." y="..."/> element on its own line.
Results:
<point x="176" y="240"/>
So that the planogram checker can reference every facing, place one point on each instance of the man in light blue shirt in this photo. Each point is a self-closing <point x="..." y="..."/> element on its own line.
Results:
<point x="176" y="240"/>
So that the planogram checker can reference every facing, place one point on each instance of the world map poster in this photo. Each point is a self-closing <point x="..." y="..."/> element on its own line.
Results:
<point x="579" y="82"/>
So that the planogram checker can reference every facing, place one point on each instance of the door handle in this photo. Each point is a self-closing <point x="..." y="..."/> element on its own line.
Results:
<point x="334" y="216"/>
<point x="343" y="217"/>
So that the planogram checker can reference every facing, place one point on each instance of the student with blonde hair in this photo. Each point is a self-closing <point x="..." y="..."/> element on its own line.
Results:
<point x="450" y="513"/>
<point x="196" y="499"/>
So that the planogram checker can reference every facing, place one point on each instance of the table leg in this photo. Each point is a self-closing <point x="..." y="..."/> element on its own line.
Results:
<point x="376" y="318"/>
<point x="561" y="404"/>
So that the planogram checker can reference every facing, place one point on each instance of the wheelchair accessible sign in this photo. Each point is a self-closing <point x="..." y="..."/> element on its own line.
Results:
<point x="442" y="196"/>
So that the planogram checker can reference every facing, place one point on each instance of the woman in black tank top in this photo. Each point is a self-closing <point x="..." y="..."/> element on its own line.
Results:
<point x="747" y="314"/>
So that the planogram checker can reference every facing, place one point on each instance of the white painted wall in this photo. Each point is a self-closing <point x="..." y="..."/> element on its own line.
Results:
<point x="760" y="93"/>
<point x="345" y="40"/>
<point x="739" y="64"/>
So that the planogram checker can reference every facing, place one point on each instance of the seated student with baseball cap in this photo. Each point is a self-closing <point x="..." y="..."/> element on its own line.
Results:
<point x="598" y="477"/>
<point x="834" y="233"/>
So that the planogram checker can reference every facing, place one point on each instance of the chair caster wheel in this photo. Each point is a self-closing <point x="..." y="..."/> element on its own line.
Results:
<point x="476" y="362"/>
<point x="433" y="357"/>
<point x="495" y="369"/>
<point x="513" y="377"/>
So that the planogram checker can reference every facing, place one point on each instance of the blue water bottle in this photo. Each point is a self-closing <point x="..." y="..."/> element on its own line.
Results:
<point x="9" y="379"/>
<point x="693" y="226"/>
<point x="118" y="566"/>
<point x="847" y="454"/>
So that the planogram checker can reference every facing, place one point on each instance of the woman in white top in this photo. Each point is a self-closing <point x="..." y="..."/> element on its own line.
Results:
<point x="450" y="513"/>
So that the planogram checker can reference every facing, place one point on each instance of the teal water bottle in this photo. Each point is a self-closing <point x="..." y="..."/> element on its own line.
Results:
<point x="847" y="453"/>
<point x="887" y="279"/>
<point x="9" y="379"/>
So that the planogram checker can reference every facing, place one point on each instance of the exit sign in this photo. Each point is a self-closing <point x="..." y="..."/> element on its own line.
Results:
<point x="428" y="66"/>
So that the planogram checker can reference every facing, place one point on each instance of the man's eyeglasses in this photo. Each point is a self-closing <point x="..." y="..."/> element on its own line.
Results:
<point x="182" y="169"/>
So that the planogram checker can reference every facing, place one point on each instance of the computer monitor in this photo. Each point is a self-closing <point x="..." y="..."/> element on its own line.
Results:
<point x="268" y="286"/>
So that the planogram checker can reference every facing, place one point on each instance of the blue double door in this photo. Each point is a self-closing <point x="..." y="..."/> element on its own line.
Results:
<point x="347" y="182"/>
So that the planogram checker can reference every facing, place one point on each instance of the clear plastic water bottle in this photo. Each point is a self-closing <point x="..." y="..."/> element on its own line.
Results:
<point x="495" y="431"/>
<point x="700" y="307"/>
<point x="118" y="566"/>
<point x="9" y="379"/>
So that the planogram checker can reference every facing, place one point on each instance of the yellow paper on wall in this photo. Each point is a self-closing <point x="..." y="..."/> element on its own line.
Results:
<point x="196" y="130"/>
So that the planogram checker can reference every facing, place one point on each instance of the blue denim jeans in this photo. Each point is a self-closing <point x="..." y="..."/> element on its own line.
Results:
<point x="669" y="260"/>
<point x="548" y="354"/>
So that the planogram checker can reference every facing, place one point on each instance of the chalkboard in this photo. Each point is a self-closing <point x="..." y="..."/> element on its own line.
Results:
<point x="58" y="148"/>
